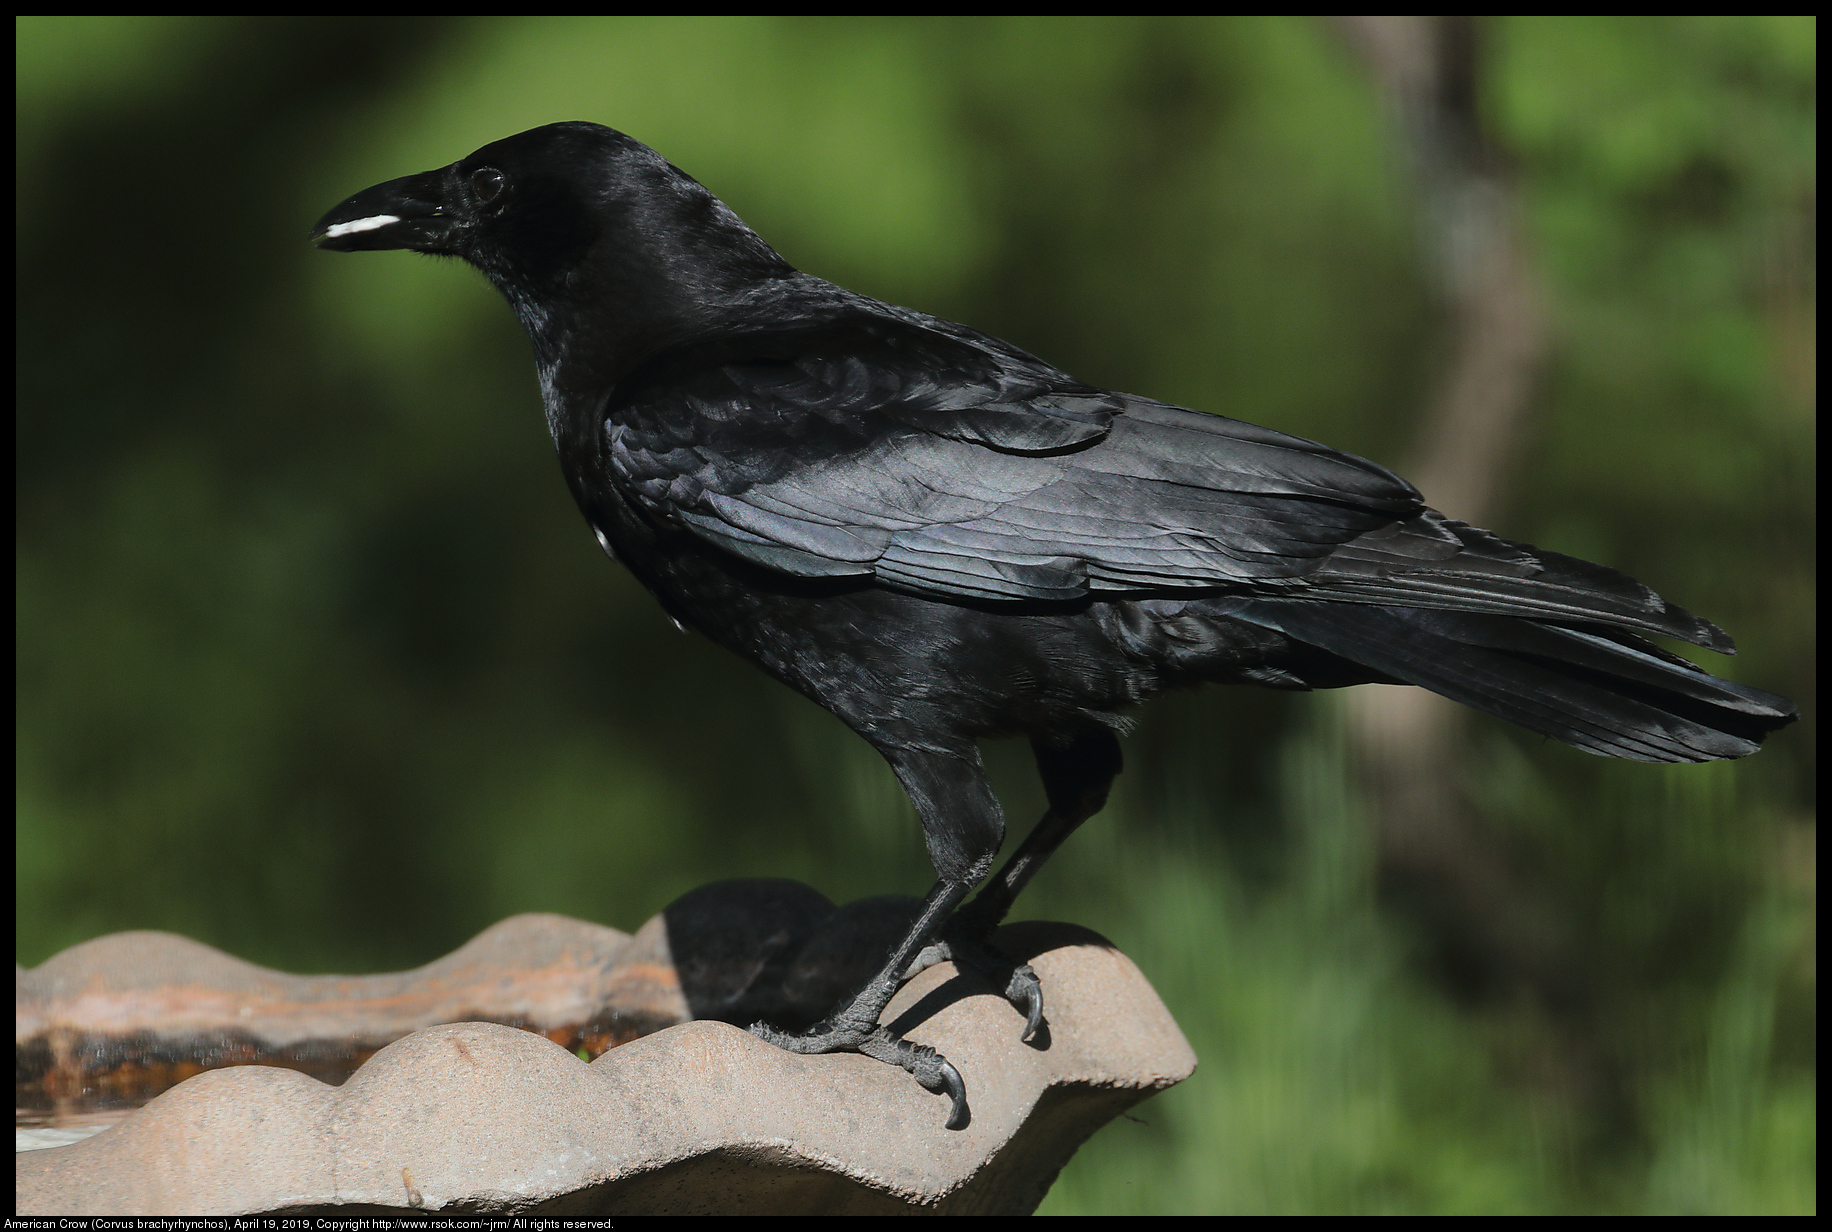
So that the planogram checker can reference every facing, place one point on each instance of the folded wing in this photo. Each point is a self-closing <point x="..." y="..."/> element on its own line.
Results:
<point x="881" y="450"/>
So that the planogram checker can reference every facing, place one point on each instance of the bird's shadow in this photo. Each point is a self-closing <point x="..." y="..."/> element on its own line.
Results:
<point x="780" y="952"/>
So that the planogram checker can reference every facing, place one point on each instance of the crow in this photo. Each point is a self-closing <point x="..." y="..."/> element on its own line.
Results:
<point x="939" y="537"/>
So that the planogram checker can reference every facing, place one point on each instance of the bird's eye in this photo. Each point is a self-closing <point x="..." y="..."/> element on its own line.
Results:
<point x="487" y="182"/>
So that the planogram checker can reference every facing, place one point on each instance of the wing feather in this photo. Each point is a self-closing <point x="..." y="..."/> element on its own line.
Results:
<point x="879" y="449"/>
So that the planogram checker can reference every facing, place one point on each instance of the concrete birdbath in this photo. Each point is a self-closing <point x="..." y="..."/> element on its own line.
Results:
<point x="462" y="1085"/>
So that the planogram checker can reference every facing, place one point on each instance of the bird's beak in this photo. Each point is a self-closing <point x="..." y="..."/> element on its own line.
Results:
<point x="411" y="212"/>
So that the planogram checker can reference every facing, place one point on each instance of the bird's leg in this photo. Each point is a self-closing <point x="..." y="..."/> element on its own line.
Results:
<point x="963" y="825"/>
<point x="854" y="1026"/>
<point x="964" y="940"/>
<point x="1077" y="775"/>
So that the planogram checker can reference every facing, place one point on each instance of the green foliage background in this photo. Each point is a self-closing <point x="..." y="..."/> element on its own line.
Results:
<point x="318" y="664"/>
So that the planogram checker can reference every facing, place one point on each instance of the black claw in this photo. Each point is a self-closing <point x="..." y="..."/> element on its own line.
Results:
<point x="1022" y="987"/>
<point x="1032" y="1005"/>
<point x="929" y="1068"/>
<point x="957" y="1091"/>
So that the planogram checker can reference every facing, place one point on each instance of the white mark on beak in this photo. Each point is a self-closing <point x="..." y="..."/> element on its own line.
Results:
<point x="374" y="223"/>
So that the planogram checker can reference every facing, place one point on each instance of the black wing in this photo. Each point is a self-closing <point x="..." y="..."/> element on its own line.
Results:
<point x="957" y="469"/>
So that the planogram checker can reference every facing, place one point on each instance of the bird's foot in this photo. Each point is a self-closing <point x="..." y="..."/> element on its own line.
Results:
<point x="921" y="1062"/>
<point x="1018" y="982"/>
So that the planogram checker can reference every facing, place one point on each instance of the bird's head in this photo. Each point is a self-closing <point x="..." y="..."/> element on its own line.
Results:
<point x="572" y="213"/>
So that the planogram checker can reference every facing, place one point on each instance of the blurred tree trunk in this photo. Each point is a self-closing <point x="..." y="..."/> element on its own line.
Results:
<point x="1498" y="936"/>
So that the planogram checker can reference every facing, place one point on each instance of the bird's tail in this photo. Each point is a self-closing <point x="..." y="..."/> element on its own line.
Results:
<point x="1596" y="688"/>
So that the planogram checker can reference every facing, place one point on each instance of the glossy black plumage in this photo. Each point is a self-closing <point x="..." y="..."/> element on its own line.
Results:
<point x="939" y="537"/>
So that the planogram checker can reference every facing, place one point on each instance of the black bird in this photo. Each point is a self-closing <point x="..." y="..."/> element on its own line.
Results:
<point x="939" y="537"/>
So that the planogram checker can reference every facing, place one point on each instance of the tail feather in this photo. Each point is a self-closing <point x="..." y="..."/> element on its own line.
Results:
<point x="1436" y="562"/>
<point x="1601" y="690"/>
